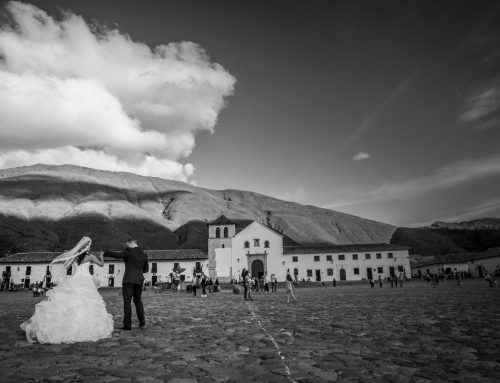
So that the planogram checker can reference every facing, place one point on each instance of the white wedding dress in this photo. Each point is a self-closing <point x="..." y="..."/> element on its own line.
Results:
<point x="74" y="311"/>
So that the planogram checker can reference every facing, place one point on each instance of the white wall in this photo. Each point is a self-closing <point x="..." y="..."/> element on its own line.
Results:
<point x="491" y="264"/>
<point x="274" y="252"/>
<point x="306" y="262"/>
<point x="433" y="269"/>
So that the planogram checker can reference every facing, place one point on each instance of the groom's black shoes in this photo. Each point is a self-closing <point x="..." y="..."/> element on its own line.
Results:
<point x="142" y="325"/>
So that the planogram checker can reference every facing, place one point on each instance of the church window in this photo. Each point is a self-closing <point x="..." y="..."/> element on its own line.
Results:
<point x="256" y="242"/>
<point x="247" y="245"/>
<point x="111" y="269"/>
<point x="266" y="244"/>
<point x="28" y="270"/>
<point x="217" y="232"/>
<point x="226" y="232"/>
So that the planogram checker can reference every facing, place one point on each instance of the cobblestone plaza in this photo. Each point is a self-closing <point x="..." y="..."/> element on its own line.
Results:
<point x="351" y="333"/>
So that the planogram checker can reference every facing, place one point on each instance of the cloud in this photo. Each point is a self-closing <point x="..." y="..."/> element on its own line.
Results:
<point x="482" y="106"/>
<point x="361" y="156"/>
<point x="454" y="174"/>
<point x="86" y="95"/>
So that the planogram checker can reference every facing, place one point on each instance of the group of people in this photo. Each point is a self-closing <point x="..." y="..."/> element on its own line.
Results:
<point x="255" y="284"/>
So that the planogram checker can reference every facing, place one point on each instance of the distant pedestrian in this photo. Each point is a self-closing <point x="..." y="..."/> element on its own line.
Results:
<point x="400" y="279"/>
<point x="391" y="279"/>
<point x="289" y="287"/>
<point x="274" y="282"/>
<point x="334" y="282"/>
<point x="372" y="284"/>
<point x="196" y="284"/>
<point x="210" y="285"/>
<point x="380" y="281"/>
<point x="266" y="283"/>
<point x="203" y="284"/>
<point x="248" y="283"/>
<point x="244" y="274"/>
<point x="459" y="278"/>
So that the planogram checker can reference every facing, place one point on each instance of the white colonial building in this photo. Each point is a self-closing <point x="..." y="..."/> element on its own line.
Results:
<point x="28" y="268"/>
<point x="235" y="244"/>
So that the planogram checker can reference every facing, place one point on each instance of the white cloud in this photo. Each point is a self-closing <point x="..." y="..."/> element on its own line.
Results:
<point x="70" y="94"/>
<point x="454" y="174"/>
<point x="361" y="156"/>
<point x="482" y="106"/>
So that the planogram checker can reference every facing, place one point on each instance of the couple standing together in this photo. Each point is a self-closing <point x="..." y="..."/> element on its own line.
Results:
<point x="74" y="311"/>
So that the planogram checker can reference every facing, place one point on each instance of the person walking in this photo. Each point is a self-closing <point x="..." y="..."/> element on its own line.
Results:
<point x="244" y="274"/>
<point x="203" y="285"/>
<point x="136" y="264"/>
<point x="380" y="281"/>
<point x="289" y="287"/>
<point x="274" y="282"/>
<point x="249" y="283"/>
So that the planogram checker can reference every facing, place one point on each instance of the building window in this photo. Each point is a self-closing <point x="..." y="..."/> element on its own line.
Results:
<point x="341" y="257"/>
<point x="329" y="258"/>
<point x="309" y="273"/>
<point x="246" y="245"/>
<point x="401" y="269"/>
<point x="154" y="267"/>
<point x="368" y="256"/>
<point x="295" y="258"/>
<point x="355" y="257"/>
<point x="329" y="272"/>
<point x="380" y="270"/>
<point x="389" y="255"/>
<point x="256" y="242"/>
<point x="379" y="256"/>
<point x="356" y="271"/>
<point x="198" y="266"/>
<point x="295" y="271"/>
<point x="217" y="232"/>
<point x="111" y="269"/>
<point x="316" y="258"/>
<point x="28" y="270"/>
<point x="266" y="244"/>
<point x="226" y="232"/>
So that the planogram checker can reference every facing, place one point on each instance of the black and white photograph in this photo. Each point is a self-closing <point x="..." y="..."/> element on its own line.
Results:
<point x="275" y="191"/>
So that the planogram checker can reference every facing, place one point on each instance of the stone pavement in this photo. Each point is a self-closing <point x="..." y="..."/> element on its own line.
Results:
<point x="349" y="333"/>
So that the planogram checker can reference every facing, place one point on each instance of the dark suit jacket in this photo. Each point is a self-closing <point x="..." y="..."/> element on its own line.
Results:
<point x="136" y="263"/>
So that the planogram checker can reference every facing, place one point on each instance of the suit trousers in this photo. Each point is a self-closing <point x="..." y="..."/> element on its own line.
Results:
<point x="129" y="291"/>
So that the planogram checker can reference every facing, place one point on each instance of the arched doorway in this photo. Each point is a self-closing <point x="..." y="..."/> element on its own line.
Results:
<point x="257" y="268"/>
<point x="342" y="275"/>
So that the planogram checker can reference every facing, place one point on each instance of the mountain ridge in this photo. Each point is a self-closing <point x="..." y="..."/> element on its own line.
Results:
<point x="46" y="207"/>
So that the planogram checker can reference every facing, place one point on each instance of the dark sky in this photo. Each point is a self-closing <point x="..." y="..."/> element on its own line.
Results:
<point x="389" y="110"/>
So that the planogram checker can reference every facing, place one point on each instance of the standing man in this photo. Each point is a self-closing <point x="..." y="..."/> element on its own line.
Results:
<point x="136" y="263"/>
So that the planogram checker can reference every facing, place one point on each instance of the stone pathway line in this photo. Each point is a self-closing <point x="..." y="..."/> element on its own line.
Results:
<point x="276" y="346"/>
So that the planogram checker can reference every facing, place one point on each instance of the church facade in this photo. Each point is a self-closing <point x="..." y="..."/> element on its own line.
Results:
<point x="234" y="245"/>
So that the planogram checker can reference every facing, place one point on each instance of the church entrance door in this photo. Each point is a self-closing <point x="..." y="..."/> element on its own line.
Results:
<point x="257" y="268"/>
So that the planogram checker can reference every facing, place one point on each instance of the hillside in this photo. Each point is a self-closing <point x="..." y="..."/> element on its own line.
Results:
<point x="49" y="208"/>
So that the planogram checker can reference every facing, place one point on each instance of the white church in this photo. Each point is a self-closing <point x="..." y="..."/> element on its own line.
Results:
<point x="237" y="244"/>
<point x="233" y="244"/>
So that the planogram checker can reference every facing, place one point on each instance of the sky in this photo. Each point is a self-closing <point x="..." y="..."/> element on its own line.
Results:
<point x="387" y="110"/>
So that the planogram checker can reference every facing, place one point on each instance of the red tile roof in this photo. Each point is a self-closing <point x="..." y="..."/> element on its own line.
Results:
<point x="322" y="249"/>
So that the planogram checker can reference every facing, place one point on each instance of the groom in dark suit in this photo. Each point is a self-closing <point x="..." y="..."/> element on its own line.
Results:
<point x="136" y="263"/>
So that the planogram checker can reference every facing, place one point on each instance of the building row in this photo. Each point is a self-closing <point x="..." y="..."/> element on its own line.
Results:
<point x="234" y="245"/>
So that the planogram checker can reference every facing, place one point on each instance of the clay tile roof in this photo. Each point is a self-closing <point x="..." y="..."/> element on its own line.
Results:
<point x="316" y="249"/>
<point x="153" y="255"/>
<point x="178" y="254"/>
<point x="38" y="257"/>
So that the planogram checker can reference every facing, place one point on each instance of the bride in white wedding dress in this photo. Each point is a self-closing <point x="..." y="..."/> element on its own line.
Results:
<point x="74" y="310"/>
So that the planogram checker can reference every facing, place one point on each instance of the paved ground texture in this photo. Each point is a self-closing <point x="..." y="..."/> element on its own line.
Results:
<point x="345" y="334"/>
